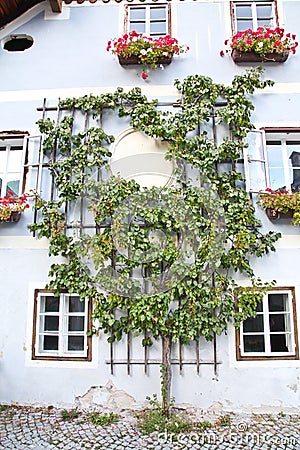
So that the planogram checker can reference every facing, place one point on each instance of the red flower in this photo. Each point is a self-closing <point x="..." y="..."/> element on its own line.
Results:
<point x="221" y="53"/>
<point x="144" y="76"/>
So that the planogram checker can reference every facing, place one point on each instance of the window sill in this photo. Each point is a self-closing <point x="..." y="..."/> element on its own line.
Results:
<point x="251" y="57"/>
<point x="134" y="60"/>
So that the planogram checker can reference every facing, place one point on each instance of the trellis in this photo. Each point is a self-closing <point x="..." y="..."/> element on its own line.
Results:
<point x="38" y="166"/>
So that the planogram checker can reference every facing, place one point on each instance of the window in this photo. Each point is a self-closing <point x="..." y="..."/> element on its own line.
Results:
<point x="273" y="159"/>
<point x="272" y="333"/>
<point x="252" y="15"/>
<point x="60" y="327"/>
<point x="152" y="20"/>
<point x="11" y="164"/>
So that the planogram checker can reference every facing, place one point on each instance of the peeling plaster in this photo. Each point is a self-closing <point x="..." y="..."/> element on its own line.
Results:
<point x="107" y="397"/>
<point x="293" y="387"/>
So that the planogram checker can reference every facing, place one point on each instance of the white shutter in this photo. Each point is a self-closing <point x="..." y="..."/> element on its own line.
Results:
<point x="33" y="162"/>
<point x="255" y="161"/>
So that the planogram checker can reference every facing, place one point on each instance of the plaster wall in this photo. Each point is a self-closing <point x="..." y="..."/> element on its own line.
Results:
<point x="69" y="56"/>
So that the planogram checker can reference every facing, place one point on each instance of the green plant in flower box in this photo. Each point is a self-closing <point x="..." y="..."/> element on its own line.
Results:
<point x="281" y="202"/>
<point x="262" y="41"/>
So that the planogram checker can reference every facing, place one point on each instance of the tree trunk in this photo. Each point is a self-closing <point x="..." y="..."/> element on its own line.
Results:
<point x="166" y="375"/>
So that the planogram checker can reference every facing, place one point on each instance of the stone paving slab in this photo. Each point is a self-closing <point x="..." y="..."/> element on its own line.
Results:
<point x="42" y="428"/>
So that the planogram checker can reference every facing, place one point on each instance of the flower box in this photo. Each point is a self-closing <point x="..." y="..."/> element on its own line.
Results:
<point x="137" y="49"/>
<point x="11" y="207"/>
<point x="252" y="57"/>
<point x="14" y="217"/>
<point x="263" y="45"/>
<point x="134" y="59"/>
<point x="281" y="205"/>
<point x="273" y="214"/>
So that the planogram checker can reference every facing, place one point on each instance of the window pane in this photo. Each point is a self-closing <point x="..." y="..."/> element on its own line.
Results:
<point x="75" y="343"/>
<point x="259" y="307"/>
<point x="50" y="304"/>
<point x="51" y="323"/>
<point x="243" y="25"/>
<point x="138" y="27"/>
<point x="278" y="343"/>
<point x="274" y="150"/>
<point x="13" y="186"/>
<point x="157" y="13"/>
<point x="277" y="180"/>
<point x="50" y="343"/>
<point x="265" y="23"/>
<point x="254" y="343"/>
<point x="253" y="324"/>
<point x="75" y="304"/>
<point x="243" y="11"/>
<point x="264" y="11"/>
<point x="76" y="323"/>
<point x="294" y="164"/>
<point x="15" y="159"/>
<point x="277" y="322"/>
<point x="277" y="302"/>
<point x="137" y="13"/>
<point x="158" y="27"/>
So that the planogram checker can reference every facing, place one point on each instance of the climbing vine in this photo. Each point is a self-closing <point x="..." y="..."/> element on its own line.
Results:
<point x="205" y="295"/>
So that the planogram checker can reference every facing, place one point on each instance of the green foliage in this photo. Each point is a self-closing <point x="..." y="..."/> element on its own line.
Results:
<point x="202" y="426"/>
<point x="281" y="202"/>
<point x="4" y="407"/>
<point x="154" y="419"/>
<point x="103" y="420"/>
<point x="69" y="414"/>
<point x="196" y="305"/>
<point x="224" y="421"/>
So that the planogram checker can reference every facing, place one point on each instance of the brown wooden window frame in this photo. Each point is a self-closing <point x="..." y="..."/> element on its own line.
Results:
<point x="233" y="13"/>
<point x="154" y="5"/>
<point x="262" y="356"/>
<point x="64" y="357"/>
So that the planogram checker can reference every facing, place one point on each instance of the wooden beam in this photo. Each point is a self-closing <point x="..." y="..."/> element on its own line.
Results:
<point x="56" y="5"/>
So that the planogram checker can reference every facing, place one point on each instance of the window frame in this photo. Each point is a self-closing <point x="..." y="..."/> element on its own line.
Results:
<point x="9" y="141"/>
<point x="86" y="354"/>
<point x="253" y="5"/>
<point x="256" y="158"/>
<point x="148" y="6"/>
<point x="259" y="356"/>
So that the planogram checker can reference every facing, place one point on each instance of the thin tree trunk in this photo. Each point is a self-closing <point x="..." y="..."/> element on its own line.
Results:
<point x="166" y="374"/>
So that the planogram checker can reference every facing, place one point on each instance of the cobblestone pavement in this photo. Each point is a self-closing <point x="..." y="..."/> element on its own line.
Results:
<point x="26" y="428"/>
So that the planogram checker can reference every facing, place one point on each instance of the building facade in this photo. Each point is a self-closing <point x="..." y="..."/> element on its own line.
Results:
<point x="57" y="50"/>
